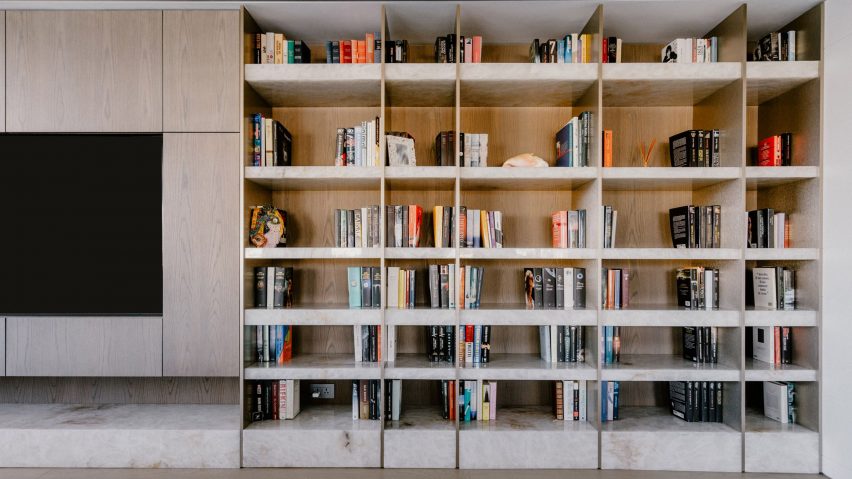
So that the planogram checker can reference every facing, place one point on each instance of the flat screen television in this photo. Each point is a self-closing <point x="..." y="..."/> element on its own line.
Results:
<point x="81" y="224"/>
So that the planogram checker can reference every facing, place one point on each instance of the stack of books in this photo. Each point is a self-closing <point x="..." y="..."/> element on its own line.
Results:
<point x="442" y="286"/>
<point x="474" y="344"/>
<point x="358" y="145"/>
<point x="273" y="287"/>
<point x="609" y="400"/>
<point x="695" y="148"/>
<point x="701" y="344"/>
<point x="402" y="226"/>
<point x="568" y="229"/>
<point x="696" y="226"/>
<point x="771" y="287"/>
<point x="775" y="150"/>
<point x="574" y="140"/>
<point x="368" y="343"/>
<point x="401" y="283"/>
<point x="615" y="283"/>
<point x="697" y="287"/>
<point x="772" y="344"/>
<point x="779" y="401"/>
<point x="440" y="343"/>
<point x="273" y="400"/>
<point x="775" y="47"/>
<point x="366" y="395"/>
<point x="555" y="288"/>
<point x="477" y="400"/>
<point x="274" y="343"/>
<point x="365" y="286"/>
<point x="469" y="49"/>
<point x="272" y="144"/>
<point x="610" y="346"/>
<point x="768" y="228"/>
<point x="573" y="48"/>
<point x="610" y="223"/>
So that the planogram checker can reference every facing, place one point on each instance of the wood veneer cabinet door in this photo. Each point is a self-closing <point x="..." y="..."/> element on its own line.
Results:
<point x="84" y="71"/>
<point x="201" y="70"/>
<point x="201" y="254"/>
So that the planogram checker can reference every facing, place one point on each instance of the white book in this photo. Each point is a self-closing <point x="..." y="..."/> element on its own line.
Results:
<point x="393" y="287"/>
<point x="689" y="50"/>
<point x="293" y="406"/>
<point x="567" y="400"/>
<point x="370" y="135"/>
<point x="700" y="47"/>
<point x="763" y="282"/>
<point x="617" y="50"/>
<point x="356" y="403"/>
<point x="763" y="344"/>
<point x="575" y="147"/>
<point x="468" y="352"/>
<point x="359" y="161"/>
<point x="791" y="45"/>
<point x="576" y="49"/>
<point x="469" y="227"/>
<point x="614" y="225"/>
<point x="391" y="342"/>
<point x="270" y="47"/>
<point x="483" y="149"/>
<point x="468" y="139"/>
<point x="270" y="286"/>
<point x="568" y="287"/>
<point x="544" y="342"/>
<point x="365" y="226"/>
<point x="780" y="219"/>
<point x="477" y="227"/>
<point x="452" y="302"/>
<point x="396" y="395"/>
<point x="467" y="287"/>
<point x="553" y="343"/>
<point x="775" y="402"/>
<point x="610" y="400"/>
<point x="498" y="226"/>
<point x="357" y="335"/>
<point x="583" y="391"/>
<point x="365" y="159"/>
<point x="708" y="288"/>
<point x="268" y="145"/>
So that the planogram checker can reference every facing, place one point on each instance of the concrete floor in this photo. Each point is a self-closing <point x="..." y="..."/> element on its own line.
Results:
<point x="369" y="473"/>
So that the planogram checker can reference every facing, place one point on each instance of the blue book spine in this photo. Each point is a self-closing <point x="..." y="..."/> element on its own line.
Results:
<point x="608" y="332"/>
<point x="477" y="343"/>
<point x="256" y="129"/>
<point x="615" y="400"/>
<point x="568" y="50"/>
<point x="603" y="400"/>
<point x="560" y="50"/>
<point x="328" y="51"/>
<point x="279" y="342"/>
<point x="467" y="391"/>
<point x="564" y="145"/>
<point x="354" y="276"/>
<point x="714" y="49"/>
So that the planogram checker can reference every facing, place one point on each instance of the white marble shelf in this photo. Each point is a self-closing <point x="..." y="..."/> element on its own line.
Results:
<point x="319" y="436"/>
<point x="527" y="418"/>
<point x="760" y="371"/>
<point x="421" y="438"/>
<point x="528" y="253"/>
<point x="667" y="367"/>
<point x="665" y="84"/>
<point x="518" y="315"/>
<point x="420" y="253"/>
<point x="519" y="179"/>
<point x="666" y="178"/>
<point x="313" y="315"/>
<point x="525" y="84"/>
<point x="780" y="317"/>
<point x="527" y="367"/>
<point x="659" y="419"/>
<point x="417" y="366"/>
<point x="663" y="315"/>
<point x="421" y="316"/>
<point x="318" y="85"/>
<point x="671" y="253"/>
<point x="771" y="446"/>
<point x="420" y="84"/>
<point x="758" y="177"/>
<point x="767" y="80"/>
<point x="120" y="435"/>
<point x="428" y="178"/>
<point x="313" y="253"/>
<point x="781" y="254"/>
<point x="283" y="178"/>
<point x="315" y="366"/>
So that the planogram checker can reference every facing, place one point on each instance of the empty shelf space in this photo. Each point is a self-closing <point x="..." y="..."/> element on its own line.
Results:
<point x="665" y="84"/>
<point x="666" y="178"/>
<point x="420" y="84"/>
<point x="524" y="84"/>
<point x="667" y="367"/>
<point x="420" y="177"/>
<point x="767" y="80"/>
<point x="320" y="85"/>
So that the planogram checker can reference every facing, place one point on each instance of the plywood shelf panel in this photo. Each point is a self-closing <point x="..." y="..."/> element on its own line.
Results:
<point x="527" y="367"/>
<point x="665" y="367"/>
<point x="318" y="85"/>
<point x="527" y="253"/>
<point x="767" y="80"/>
<point x="778" y="317"/>
<point x="666" y="179"/>
<point x="313" y="253"/>
<point x="315" y="366"/>
<point x="420" y="253"/>
<point x="420" y="177"/>
<point x="759" y="371"/>
<point x="418" y="366"/>
<point x="499" y="178"/>
<point x="781" y="254"/>
<point x="770" y="176"/>
<point x="665" y="84"/>
<point x="771" y="446"/>
<point x="670" y="253"/>
<point x="656" y="315"/>
<point x="282" y="178"/>
<point x="313" y="315"/>
<point x="525" y="84"/>
<point x="420" y="317"/>
<point x="517" y="315"/>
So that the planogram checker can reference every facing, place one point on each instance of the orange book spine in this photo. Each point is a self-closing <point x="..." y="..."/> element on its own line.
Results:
<point x="607" y="145"/>
<point x="461" y="288"/>
<point x="787" y="232"/>
<point x="451" y="392"/>
<point x="371" y="42"/>
<point x="362" y="51"/>
<point x="418" y="221"/>
<point x="777" y="333"/>
<point x="610" y="289"/>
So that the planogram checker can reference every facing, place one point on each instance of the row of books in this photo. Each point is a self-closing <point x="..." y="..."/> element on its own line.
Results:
<point x="609" y="400"/>
<point x="273" y="287"/>
<point x="772" y="344"/>
<point x="562" y="344"/>
<point x="768" y="228"/>
<point x="771" y="287"/>
<point x="691" y="50"/>
<point x="449" y="399"/>
<point x="555" y="288"/>
<point x="272" y="144"/>
<point x="697" y="401"/>
<point x="273" y="400"/>
<point x="572" y="48"/>
<point x="775" y="150"/>
<point x="401" y="284"/>
<point x="568" y="229"/>
<point x="779" y="401"/>
<point x="473" y="151"/>
<point x="368" y="50"/>
<point x="365" y="286"/>
<point x="441" y="343"/>
<point x="611" y="50"/>
<point x="358" y="228"/>
<point x="610" y="347"/>
<point x="442" y="280"/>
<point x="274" y="343"/>
<point x="393" y="399"/>
<point x="469" y="49"/>
<point x="396" y="51"/>
<point x="274" y="48"/>
<point x="366" y="399"/>
<point x="402" y="226"/>
<point x="475" y="344"/>
<point x="615" y="283"/>
<point x="477" y="400"/>
<point x="610" y="224"/>
<point x="570" y="401"/>
<point x="701" y="344"/>
<point x="774" y="47"/>
<point x="470" y="286"/>
<point x="696" y="226"/>
<point x="574" y="140"/>
<point x="358" y="145"/>
<point x="476" y="229"/>
<point x="695" y="148"/>
<point x="368" y="343"/>
<point x="697" y="287"/>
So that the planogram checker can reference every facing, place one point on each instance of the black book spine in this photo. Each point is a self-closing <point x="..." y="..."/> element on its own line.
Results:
<point x="374" y="405"/>
<point x="485" y="344"/>
<point x="435" y="346"/>
<point x="373" y="342"/>
<point x="719" y="397"/>
<point x="689" y="343"/>
<point x="280" y="285"/>
<point x="267" y="400"/>
<point x="260" y="287"/>
<point x="579" y="288"/>
<point x="405" y="220"/>
<point x="560" y="288"/>
<point x="350" y="229"/>
<point x="389" y="221"/>
<point x="445" y="406"/>
<point x="450" y="335"/>
<point x="560" y="343"/>
<point x="376" y="273"/>
<point x="581" y="344"/>
<point x="366" y="287"/>
<point x="538" y="296"/>
<point x="445" y="286"/>
<point x="549" y="287"/>
<point x="786" y="148"/>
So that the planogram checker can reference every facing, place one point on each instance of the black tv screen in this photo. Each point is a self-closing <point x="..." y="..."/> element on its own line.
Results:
<point x="82" y="224"/>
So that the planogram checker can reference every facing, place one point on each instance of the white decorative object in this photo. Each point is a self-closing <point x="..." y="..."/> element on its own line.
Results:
<point x="525" y="160"/>
<point x="401" y="151"/>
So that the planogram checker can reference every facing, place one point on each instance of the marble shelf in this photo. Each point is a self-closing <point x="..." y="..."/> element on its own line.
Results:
<point x="771" y="446"/>
<point x="313" y="315"/>
<point x="120" y="435"/>
<point x="665" y="84"/>
<point x="664" y="315"/>
<point x="760" y="371"/>
<point x="758" y="177"/>
<point x="282" y="178"/>
<point x="420" y="253"/>
<point x="767" y="80"/>
<point x="315" y="366"/>
<point x="780" y="317"/>
<point x="420" y="84"/>
<point x="428" y="178"/>
<point x="667" y="367"/>
<point x="527" y="367"/>
<point x="317" y="84"/>
<point x="313" y="253"/>
<point x="519" y="179"/>
<point x="517" y="254"/>
<point x="671" y="253"/>
<point x="522" y="84"/>
<point x="781" y="254"/>
<point x="417" y="366"/>
<point x="517" y="315"/>
<point x="665" y="178"/>
<point x="420" y="316"/>
<point x="421" y="438"/>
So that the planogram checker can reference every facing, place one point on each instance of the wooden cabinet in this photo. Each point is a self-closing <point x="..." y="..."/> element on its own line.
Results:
<point x="84" y="71"/>
<point x="201" y="71"/>
<point x="200" y="254"/>
<point x="84" y="346"/>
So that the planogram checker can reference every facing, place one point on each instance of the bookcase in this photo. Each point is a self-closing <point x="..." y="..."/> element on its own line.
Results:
<point x="521" y="106"/>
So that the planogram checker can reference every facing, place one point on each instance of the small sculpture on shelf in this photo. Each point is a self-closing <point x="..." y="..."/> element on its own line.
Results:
<point x="525" y="160"/>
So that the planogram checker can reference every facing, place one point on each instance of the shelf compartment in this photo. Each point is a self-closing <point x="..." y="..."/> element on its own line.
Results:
<point x="420" y="253"/>
<point x="313" y="253"/>
<point x="527" y="367"/>
<point x="767" y="80"/>
<point x="417" y="366"/>
<point x="420" y="316"/>
<point x="769" y="176"/>
<point x="527" y="437"/>
<point x="420" y="84"/>
<point x="660" y="315"/>
<point x="527" y="253"/>
<point x="780" y="317"/>
<point x="313" y="315"/>
<point x="792" y="448"/>
<point x="417" y="427"/>
<point x="551" y="178"/>
<point x="665" y="84"/>
<point x="760" y="371"/>
<point x="781" y="254"/>
<point x="282" y="178"/>
<point x="319" y="436"/>
<point x="667" y="367"/>
<point x="315" y="366"/>
<point x="651" y="438"/>
<point x="420" y="177"/>
<point x="517" y="315"/>
<point x="525" y="84"/>
<point x="670" y="253"/>
<point x="318" y="85"/>
<point x="666" y="178"/>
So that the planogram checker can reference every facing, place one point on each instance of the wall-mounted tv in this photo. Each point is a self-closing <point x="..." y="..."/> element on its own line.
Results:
<point x="81" y="224"/>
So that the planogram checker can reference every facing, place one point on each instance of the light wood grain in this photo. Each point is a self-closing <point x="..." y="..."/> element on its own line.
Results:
<point x="201" y="71"/>
<point x="797" y="112"/>
<point x="87" y="71"/>
<point x="314" y="130"/>
<point x="84" y="346"/>
<point x="424" y="124"/>
<point x="633" y="126"/>
<point x="731" y="33"/>
<point x="200" y="254"/>
<point x="115" y="390"/>
<point x="809" y="31"/>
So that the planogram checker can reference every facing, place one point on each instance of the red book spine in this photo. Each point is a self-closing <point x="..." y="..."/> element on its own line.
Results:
<point x="468" y="333"/>
<point x="275" y="405"/>
<point x="362" y="51"/>
<point x="604" y="51"/>
<point x="418" y="222"/>
<point x="777" y="344"/>
<point x="769" y="151"/>
<point x="345" y="51"/>
<point x="477" y="50"/>
<point x="451" y="398"/>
